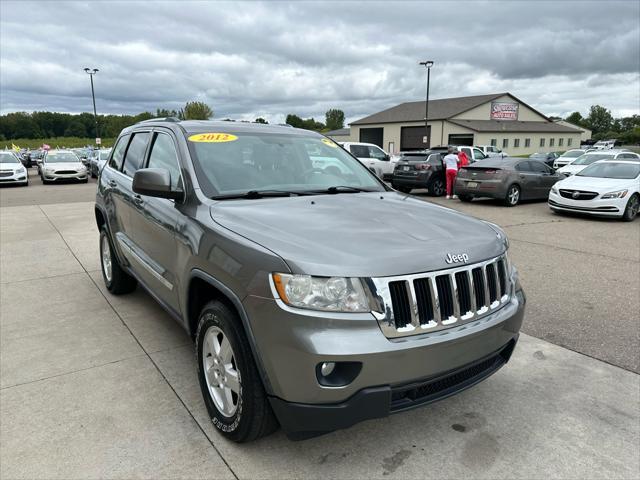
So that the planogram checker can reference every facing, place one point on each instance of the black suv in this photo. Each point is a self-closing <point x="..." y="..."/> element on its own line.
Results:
<point x="420" y="169"/>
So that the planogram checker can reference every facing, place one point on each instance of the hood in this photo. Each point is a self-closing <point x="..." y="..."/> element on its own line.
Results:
<point x="359" y="235"/>
<point x="64" y="165"/>
<point x="10" y="166"/>
<point x="572" y="169"/>
<point x="600" y="185"/>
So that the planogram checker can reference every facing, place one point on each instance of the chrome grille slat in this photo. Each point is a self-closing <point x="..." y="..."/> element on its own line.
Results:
<point x="433" y="301"/>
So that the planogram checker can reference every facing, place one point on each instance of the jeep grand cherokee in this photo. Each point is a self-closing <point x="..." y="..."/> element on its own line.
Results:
<point x="316" y="296"/>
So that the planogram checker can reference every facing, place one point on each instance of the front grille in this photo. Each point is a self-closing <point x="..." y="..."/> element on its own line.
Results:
<point x="6" y="174"/>
<point x="424" y="303"/>
<point x="65" y="172"/>
<point x="579" y="194"/>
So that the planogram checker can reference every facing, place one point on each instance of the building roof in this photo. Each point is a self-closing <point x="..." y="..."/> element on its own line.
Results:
<point x="338" y="132"/>
<point x="439" y="109"/>
<point x="513" y="126"/>
<point x="578" y="127"/>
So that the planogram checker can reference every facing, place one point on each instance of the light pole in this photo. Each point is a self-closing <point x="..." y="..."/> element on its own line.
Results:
<point x="428" y="64"/>
<point x="91" y="73"/>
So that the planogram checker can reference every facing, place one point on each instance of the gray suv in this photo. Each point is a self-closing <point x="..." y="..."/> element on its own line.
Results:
<point x="317" y="297"/>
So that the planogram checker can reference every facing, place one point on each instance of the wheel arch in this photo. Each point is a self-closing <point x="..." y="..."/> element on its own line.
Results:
<point x="203" y="288"/>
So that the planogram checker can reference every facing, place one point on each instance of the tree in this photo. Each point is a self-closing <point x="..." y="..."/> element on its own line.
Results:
<point x="334" y="119"/>
<point x="599" y="119"/>
<point x="294" y="121"/>
<point x="197" y="111"/>
<point x="576" y="119"/>
<point x="260" y="120"/>
<point x="76" y="129"/>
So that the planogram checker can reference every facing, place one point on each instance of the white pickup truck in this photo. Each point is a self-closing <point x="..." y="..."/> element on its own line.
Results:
<point x="373" y="157"/>
<point x="492" y="151"/>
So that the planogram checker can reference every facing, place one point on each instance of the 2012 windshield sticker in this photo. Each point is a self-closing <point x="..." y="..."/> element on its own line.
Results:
<point x="213" y="138"/>
<point x="326" y="141"/>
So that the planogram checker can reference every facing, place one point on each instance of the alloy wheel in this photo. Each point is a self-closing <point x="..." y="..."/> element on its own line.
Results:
<point x="514" y="195"/>
<point x="220" y="371"/>
<point x="106" y="258"/>
<point x="634" y="207"/>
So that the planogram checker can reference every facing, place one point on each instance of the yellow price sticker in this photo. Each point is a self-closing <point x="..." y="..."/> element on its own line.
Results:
<point x="213" y="137"/>
<point x="328" y="142"/>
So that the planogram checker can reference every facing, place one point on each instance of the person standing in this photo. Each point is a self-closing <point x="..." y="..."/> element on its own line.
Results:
<point x="463" y="160"/>
<point x="451" y="171"/>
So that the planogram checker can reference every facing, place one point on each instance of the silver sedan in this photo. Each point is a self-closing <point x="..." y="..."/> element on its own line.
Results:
<point x="62" y="165"/>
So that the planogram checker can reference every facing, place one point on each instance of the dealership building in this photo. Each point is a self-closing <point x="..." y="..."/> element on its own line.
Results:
<point x="499" y="119"/>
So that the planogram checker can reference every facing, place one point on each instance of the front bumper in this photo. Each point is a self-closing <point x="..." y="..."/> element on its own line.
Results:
<point x="15" y="178"/>
<point x="53" y="176"/>
<point x="292" y="344"/>
<point x="611" y="207"/>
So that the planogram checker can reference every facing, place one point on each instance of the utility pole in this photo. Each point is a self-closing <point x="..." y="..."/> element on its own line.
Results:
<point x="91" y="73"/>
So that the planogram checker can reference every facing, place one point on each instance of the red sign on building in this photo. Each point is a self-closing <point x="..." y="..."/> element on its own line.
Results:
<point x="504" y="111"/>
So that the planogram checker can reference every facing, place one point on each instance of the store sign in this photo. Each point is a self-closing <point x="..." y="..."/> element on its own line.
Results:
<point x="504" y="111"/>
<point x="98" y="141"/>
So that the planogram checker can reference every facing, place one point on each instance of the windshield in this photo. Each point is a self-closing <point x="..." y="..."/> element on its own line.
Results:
<point x="8" y="158"/>
<point x="592" y="157"/>
<point x="61" y="157"/>
<point x="572" y="154"/>
<point x="612" y="170"/>
<point x="234" y="164"/>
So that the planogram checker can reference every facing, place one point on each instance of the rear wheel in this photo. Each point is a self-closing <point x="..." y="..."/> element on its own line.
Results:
<point x="231" y="386"/>
<point x="513" y="196"/>
<point x="632" y="209"/>
<point x="437" y="187"/>
<point x="115" y="278"/>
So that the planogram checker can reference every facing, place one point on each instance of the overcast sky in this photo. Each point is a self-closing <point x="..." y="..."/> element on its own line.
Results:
<point x="249" y="59"/>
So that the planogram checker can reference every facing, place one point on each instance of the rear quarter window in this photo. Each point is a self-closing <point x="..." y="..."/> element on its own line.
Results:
<point x="135" y="153"/>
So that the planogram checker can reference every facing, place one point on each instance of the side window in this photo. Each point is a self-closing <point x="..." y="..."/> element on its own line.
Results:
<point x="135" y="153"/>
<point x="360" y="151"/>
<point x="538" y="167"/>
<point x="494" y="142"/>
<point x="163" y="155"/>
<point x="375" y="152"/>
<point x="523" y="167"/>
<point x="118" y="152"/>
<point x="505" y="143"/>
<point x="479" y="155"/>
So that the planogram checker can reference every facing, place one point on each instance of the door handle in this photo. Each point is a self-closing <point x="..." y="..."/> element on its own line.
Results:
<point x="113" y="183"/>
<point x="137" y="199"/>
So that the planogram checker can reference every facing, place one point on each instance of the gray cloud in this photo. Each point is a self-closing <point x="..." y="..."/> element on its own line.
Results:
<point x="250" y="59"/>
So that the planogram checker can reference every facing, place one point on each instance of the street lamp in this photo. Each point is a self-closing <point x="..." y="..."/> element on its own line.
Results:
<point x="91" y="73"/>
<point x="428" y="64"/>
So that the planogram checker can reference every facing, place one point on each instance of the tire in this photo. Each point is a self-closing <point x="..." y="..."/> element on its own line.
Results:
<point x="512" y="198"/>
<point x="242" y="415"/>
<point x="465" y="198"/>
<point x="86" y="180"/>
<point x="632" y="208"/>
<point x="115" y="278"/>
<point x="437" y="187"/>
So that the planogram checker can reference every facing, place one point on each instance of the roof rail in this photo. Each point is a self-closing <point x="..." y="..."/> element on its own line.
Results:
<point x="161" y="119"/>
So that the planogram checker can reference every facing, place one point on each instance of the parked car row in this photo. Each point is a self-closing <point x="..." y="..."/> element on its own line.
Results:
<point x="12" y="170"/>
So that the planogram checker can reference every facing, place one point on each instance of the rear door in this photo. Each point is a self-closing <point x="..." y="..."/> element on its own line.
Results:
<point x="548" y="178"/>
<point x="154" y="222"/>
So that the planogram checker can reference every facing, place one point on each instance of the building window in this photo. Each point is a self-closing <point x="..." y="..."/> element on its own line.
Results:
<point x="569" y="140"/>
<point x="494" y="142"/>
<point x="542" y="142"/>
<point x="560" y="142"/>
<point x="552" y="142"/>
<point x="527" y="142"/>
<point x="516" y="143"/>
<point x="505" y="143"/>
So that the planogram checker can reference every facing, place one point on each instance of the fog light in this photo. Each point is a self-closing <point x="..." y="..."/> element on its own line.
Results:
<point x="327" y="368"/>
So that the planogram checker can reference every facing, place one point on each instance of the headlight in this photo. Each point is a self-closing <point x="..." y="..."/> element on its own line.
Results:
<point x="49" y="169"/>
<point x="618" y="194"/>
<point x="332" y="294"/>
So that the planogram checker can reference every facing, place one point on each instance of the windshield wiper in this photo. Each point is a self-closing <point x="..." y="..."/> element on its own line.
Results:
<point x="255" y="194"/>
<point x="345" y="189"/>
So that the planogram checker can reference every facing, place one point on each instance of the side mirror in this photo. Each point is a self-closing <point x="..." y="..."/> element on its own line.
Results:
<point x="154" y="182"/>
<point x="386" y="158"/>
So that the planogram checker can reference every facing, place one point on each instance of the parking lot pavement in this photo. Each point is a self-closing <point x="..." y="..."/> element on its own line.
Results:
<point x="94" y="385"/>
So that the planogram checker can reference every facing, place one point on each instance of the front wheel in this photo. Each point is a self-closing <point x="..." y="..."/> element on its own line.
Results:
<point x="632" y="209"/>
<point x="437" y="187"/>
<point x="231" y="386"/>
<point x="513" y="196"/>
<point x="115" y="278"/>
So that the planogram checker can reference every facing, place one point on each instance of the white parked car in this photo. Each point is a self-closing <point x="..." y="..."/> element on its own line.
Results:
<point x="373" y="157"/>
<point x="604" y="188"/>
<point x="567" y="157"/>
<point x="588" y="158"/>
<point x="604" y="144"/>
<point x="12" y="170"/>
<point x="492" y="151"/>
<point x="473" y="153"/>
<point x="62" y="165"/>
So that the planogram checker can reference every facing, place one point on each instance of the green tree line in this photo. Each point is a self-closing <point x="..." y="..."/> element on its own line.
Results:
<point x="604" y="127"/>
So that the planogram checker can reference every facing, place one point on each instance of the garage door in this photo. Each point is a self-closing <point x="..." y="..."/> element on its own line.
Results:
<point x="411" y="138"/>
<point x="372" y="135"/>
<point x="461" y="139"/>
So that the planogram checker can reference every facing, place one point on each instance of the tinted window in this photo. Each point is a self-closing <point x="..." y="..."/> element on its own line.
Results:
<point x="479" y="154"/>
<point x="523" y="167"/>
<point x="163" y="155"/>
<point x="118" y="152"/>
<point x="135" y="153"/>
<point x="360" y="151"/>
<point x="538" y="167"/>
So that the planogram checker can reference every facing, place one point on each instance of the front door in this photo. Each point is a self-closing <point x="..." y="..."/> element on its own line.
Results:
<point x="529" y="180"/>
